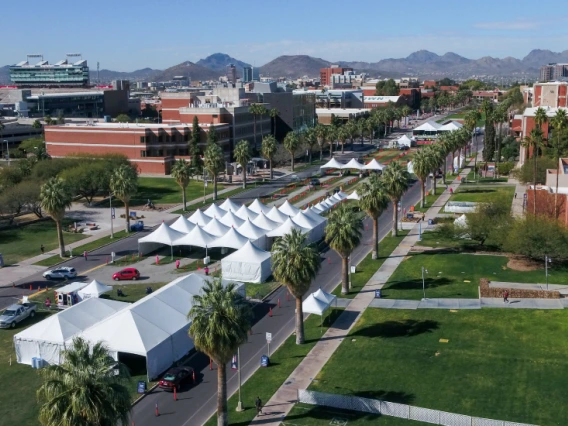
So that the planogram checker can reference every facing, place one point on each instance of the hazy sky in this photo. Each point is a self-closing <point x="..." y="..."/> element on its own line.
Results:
<point x="125" y="35"/>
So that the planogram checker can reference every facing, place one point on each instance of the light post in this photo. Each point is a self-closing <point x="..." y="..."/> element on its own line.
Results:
<point x="419" y="231"/>
<point x="240" y="403"/>
<point x="8" y="151"/>
<point x="111" y="218"/>
<point x="424" y="271"/>
<point x="475" y="159"/>
<point x="547" y="260"/>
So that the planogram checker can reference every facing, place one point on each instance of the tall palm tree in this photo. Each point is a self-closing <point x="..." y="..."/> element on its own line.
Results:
<point x="422" y="165"/>
<point x="321" y="135"/>
<point x="254" y="110"/>
<point x="395" y="182"/>
<point x="88" y="388"/>
<point x="124" y="184"/>
<point x="534" y="141"/>
<point x="540" y="117"/>
<point x="373" y="200"/>
<point x="214" y="162"/>
<point x="362" y="127"/>
<point x="331" y="137"/>
<point x="342" y="136"/>
<point x="295" y="264"/>
<point x="220" y="320"/>
<point x="438" y="157"/>
<point x="343" y="234"/>
<point x="243" y="155"/>
<point x="310" y="140"/>
<point x="261" y="111"/>
<point x="182" y="172"/>
<point x="268" y="149"/>
<point x="55" y="197"/>
<point x="406" y="111"/>
<point x="351" y="129"/>
<point x="291" y="144"/>
<point x="273" y="113"/>
<point x="559" y="123"/>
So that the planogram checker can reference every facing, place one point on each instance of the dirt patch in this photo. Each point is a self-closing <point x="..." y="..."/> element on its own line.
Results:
<point x="522" y="264"/>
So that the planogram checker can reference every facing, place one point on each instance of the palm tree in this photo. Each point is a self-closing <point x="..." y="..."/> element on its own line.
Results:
<point x="220" y="320"/>
<point x="395" y="182"/>
<point x="331" y="137"/>
<point x="88" y="388"/>
<point x="261" y="111"/>
<point x="351" y="129"/>
<point x="310" y="140"/>
<point x="342" y="136"/>
<point x="243" y="156"/>
<point x="254" y="110"/>
<point x="182" y="172"/>
<point x="295" y="264"/>
<point x="343" y="234"/>
<point x="291" y="144"/>
<point x="273" y="114"/>
<point x="362" y="127"/>
<point x="559" y="123"/>
<point x="406" y="111"/>
<point x="373" y="200"/>
<point x="48" y="120"/>
<point x="438" y="156"/>
<point x="422" y="165"/>
<point x="321" y="135"/>
<point x="55" y="197"/>
<point x="124" y="184"/>
<point x="268" y="149"/>
<point x="214" y="162"/>
<point x="540" y="117"/>
<point x="534" y="141"/>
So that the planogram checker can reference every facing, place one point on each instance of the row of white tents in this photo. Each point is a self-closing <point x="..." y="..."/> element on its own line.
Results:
<point x="353" y="164"/>
<point x="432" y="128"/>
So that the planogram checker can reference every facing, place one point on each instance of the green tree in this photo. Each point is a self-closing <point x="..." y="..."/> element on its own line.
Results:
<point x="321" y="135"/>
<point x="32" y="146"/>
<point x="124" y="185"/>
<point x="351" y="129"/>
<point x="559" y="122"/>
<point x="438" y="154"/>
<point x="212" y="136"/>
<point x="291" y="144"/>
<point x="273" y="113"/>
<point x="295" y="264"/>
<point x="242" y="155"/>
<point x="182" y="172"/>
<point x="88" y="179"/>
<point x="405" y="111"/>
<point x="255" y="111"/>
<point x="396" y="182"/>
<point x="386" y="88"/>
<point x="37" y="124"/>
<point x="48" y="120"/>
<point x="220" y="321"/>
<point x="536" y="237"/>
<point x="534" y="141"/>
<point x="88" y="388"/>
<point x="373" y="200"/>
<point x="55" y="198"/>
<point x="343" y="234"/>
<point x="489" y="142"/>
<point x="122" y="118"/>
<point x="195" y="161"/>
<point x="60" y="118"/>
<point x="342" y="136"/>
<point x="422" y="166"/>
<point x="269" y="148"/>
<point x="214" y="162"/>
<point x="310" y="140"/>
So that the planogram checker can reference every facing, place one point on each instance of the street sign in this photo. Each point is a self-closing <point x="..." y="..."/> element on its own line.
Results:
<point x="112" y="213"/>
<point x="141" y="387"/>
<point x="268" y="337"/>
<point x="235" y="362"/>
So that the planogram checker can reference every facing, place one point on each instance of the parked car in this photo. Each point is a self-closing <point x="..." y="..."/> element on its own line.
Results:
<point x="63" y="272"/>
<point x="126" y="274"/>
<point x="404" y="148"/>
<point x="315" y="182"/>
<point x="175" y="377"/>
<point x="16" y="313"/>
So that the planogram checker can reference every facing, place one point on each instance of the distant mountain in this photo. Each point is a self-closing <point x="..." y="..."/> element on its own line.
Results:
<point x="294" y="66"/>
<point x="145" y="74"/>
<point x="219" y="61"/>
<point x="187" y="69"/>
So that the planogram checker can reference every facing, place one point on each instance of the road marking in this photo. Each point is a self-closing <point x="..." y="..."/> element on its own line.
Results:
<point x="92" y="269"/>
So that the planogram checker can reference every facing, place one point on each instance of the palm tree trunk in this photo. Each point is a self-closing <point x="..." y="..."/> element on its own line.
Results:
<point x="534" y="186"/>
<point x="375" y="254"/>
<point x="255" y="145"/>
<point x="300" y="338"/>
<point x="321" y="152"/>
<point x="127" y="211"/>
<point x="345" y="275"/>
<point x="271" y="175"/>
<point x="394" y="218"/>
<point x="60" y="238"/>
<point x="434" y="182"/>
<point x="310" y="155"/>
<point x="261" y="125"/>
<point x="215" y="187"/>
<point x="422" y="188"/>
<point x="343" y="147"/>
<point x="184" y="198"/>
<point x="292" y="161"/>
<point x="244" y="177"/>
<point x="274" y="124"/>
<point x="557" y="173"/>
<point x="222" y="416"/>
<point x="453" y="161"/>
<point x="445" y="170"/>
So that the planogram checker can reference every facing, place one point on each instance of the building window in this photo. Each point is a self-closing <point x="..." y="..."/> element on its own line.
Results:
<point x="143" y="154"/>
<point x="142" y="139"/>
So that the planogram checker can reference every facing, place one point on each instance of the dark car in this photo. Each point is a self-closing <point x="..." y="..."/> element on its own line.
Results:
<point x="175" y="378"/>
<point x="126" y="274"/>
<point x="315" y="182"/>
<point x="404" y="148"/>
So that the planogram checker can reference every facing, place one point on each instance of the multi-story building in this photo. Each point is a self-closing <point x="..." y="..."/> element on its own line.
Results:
<point x="551" y="72"/>
<point x="231" y="73"/>
<point x="247" y="75"/>
<point x="326" y="73"/>
<point x="337" y="98"/>
<point x="553" y="94"/>
<point x="42" y="74"/>
<point x="14" y="133"/>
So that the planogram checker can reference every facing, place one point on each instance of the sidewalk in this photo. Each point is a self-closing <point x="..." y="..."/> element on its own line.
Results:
<point x="518" y="209"/>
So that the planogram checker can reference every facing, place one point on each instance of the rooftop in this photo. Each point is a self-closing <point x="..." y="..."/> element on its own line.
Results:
<point x="103" y="125"/>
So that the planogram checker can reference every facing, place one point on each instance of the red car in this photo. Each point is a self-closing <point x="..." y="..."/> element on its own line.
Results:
<point x="126" y="274"/>
<point x="175" y="377"/>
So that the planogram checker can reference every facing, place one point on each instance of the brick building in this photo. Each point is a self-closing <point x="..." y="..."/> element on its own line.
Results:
<point x="550" y="94"/>
<point x="326" y="73"/>
<point x="527" y="124"/>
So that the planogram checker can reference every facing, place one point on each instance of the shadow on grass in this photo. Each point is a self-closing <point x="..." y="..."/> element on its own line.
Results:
<point x="390" y="396"/>
<point x="324" y="414"/>
<point x="390" y="329"/>
<point x="417" y="284"/>
<point x="475" y="191"/>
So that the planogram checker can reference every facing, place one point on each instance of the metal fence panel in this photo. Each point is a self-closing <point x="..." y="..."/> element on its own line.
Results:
<point x="395" y="410"/>
<point x="453" y="419"/>
<point x="515" y="424"/>
<point x="424" y="415"/>
<point x="477" y="421"/>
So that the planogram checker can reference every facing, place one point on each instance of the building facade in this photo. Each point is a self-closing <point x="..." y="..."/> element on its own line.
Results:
<point x="247" y="74"/>
<point x="551" y="72"/>
<point x="14" y="133"/>
<point x="551" y="94"/>
<point x="42" y="74"/>
<point x="326" y="73"/>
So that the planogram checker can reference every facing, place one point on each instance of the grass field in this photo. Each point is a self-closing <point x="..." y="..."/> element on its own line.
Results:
<point x="21" y="243"/>
<point x="429" y="199"/>
<point x="499" y="364"/>
<point x="483" y="193"/>
<point x="470" y="177"/>
<point x="448" y="273"/>
<point x="259" y="291"/>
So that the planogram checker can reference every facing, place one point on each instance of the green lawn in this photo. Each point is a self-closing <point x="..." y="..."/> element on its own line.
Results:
<point x="429" y="199"/>
<point x="483" y="193"/>
<point x="498" y="364"/>
<point x="368" y="266"/>
<point x="470" y="177"/>
<point x="259" y="291"/>
<point x="17" y="244"/>
<point x="461" y="116"/>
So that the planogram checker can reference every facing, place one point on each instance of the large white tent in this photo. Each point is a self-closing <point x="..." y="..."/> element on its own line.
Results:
<point x="264" y="222"/>
<point x="373" y="165"/>
<point x="254" y="233"/>
<point x="312" y="214"/>
<point x="216" y="228"/>
<point x="285" y="228"/>
<point x="332" y="164"/>
<point x="232" y="220"/>
<point x="353" y="164"/>
<point x="325" y="296"/>
<point x="246" y="213"/>
<point x="248" y="264"/>
<point x="228" y="204"/>
<point x="215" y="211"/>
<point x="94" y="289"/>
<point x="404" y="141"/>
<point x="353" y="196"/>
<point x="322" y="206"/>
<point x="317" y="209"/>
<point x="155" y="327"/>
<point x="163" y="235"/>
<point x="232" y="239"/>
<point x="316" y="227"/>
<point x="257" y="207"/>
<point x="313" y="305"/>
<point x="197" y="238"/>
<point x="182" y="225"/>
<point x="199" y="218"/>
<point x="276" y="215"/>
<point x="450" y="127"/>
<point x="429" y="126"/>
<point x="288" y="209"/>
<point x="46" y="339"/>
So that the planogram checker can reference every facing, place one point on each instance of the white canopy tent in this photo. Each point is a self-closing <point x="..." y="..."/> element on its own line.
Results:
<point x="199" y="218"/>
<point x="404" y="141"/>
<point x="216" y="228"/>
<point x="285" y="228"/>
<point x="353" y="164"/>
<point x="46" y="339"/>
<point x="232" y="239"/>
<point x="429" y="126"/>
<point x="197" y="238"/>
<point x="231" y="219"/>
<point x="325" y="296"/>
<point x="182" y="225"/>
<point x="373" y="165"/>
<point x="313" y="305"/>
<point x="450" y="127"/>
<point x="262" y="221"/>
<point x="163" y="235"/>
<point x="315" y="216"/>
<point x="332" y="164"/>
<point x="257" y="207"/>
<point x="214" y="211"/>
<point x="461" y="222"/>
<point x="353" y="196"/>
<point x="410" y="168"/>
<point x="246" y="213"/>
<point x="94" y="289"/>
<point x="288" y="209"/>
<point x="254" y="233"/>
<point x="337" y="197"/>
<point x="316" y="209"/>
<point x="276" y="215"/>
<point x="248" y="264"/>
<point x="342" y="194"/>
<point x="316" y="227"/>
<point x="322" y="206"/>
<point x="228" y="204"/>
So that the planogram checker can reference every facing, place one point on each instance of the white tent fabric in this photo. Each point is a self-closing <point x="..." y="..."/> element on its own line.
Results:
<point x="215" y="211"/>
<point x="313" y="305"/>
<point x="254" y="233"/>
<point x="322" y="206"/>
<point x="342" y="194"/>
<point x="353" y="196"/>
<point x="316" y="227"/>
<point x="232" y="239"/>
<point x="429" y="126"/>
<point x="155" y="327"/>
<point x="404" y="141"/>
<point x="337" y="197"/>
<point x="459" y="162"/>
<point x="325" y="296"/>
<point x="288" y="209"/>
<point x="94" y="289"/>
<point x="286" y="228"/>
<point x="450" y="127"/>
<point x="332" y="164"/>
<point x="182" y="225"/>
<point x="248" y="264"/>
<point x="353" y="164"/>
<point x="199" y="218"/>
<point x="315" y="216"/>
<point x="231" y="219"/>
<point x="262" y="221"/>
<point x="246" y="213"/>
<point x="257" y="207"/>
<point x="228" y="204"/>
<point x="329" y="202"/>
<point x="410" y="168"/>
<point x="197" y="238"/>
<point x="276" y="215"/>
<point x="46" y="339"/>
<point x="316" y="209"/>
<point x="461" y="221"/>
<point x="373" y="165"/>
<point x="162" y="235"/>
<point x="216" y="228"/>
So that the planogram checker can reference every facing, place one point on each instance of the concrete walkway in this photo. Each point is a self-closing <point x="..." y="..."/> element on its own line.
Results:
<point x="518" y="208"/>
<point x="484" y="302"/>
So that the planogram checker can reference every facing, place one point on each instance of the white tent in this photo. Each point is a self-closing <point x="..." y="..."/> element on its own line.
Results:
<point x="337" y="197"/>
<point x="459" y="162"/>
<point x="353" y="164"/>
<point x="216" y="228"/>
<point x="232" y="239"/>
<point x="155" y="327"/>
<point x="231" y="219"/>
<point x="317" y="227"/>
<point x="429" y="126"/>
<point x="215" y="211"/>
<point x="329" y="202"/>
<point x="410" y="168"/>
<point x="313" y="305"/>
<point x="288" y="209"/>
<point x="332" y="164"/>
<point x="162" y="235"/>
<point x="315" y="216"/>
<point x="254" y="233"/>
<point x="197" y="238"/>
<point x="46" y="339"/>
<point x="286" y="228"/>
<point x="353" y="196"/>
<point x="262" y="221"/>
<point x="322" y="206"/>
<point x="276" y="215"/>
<point x="199" y="218"/>
<point x="316" y="209"/>
<point x="228" y="204"/>
<point x="450" y="127"/>
<point x="182" y="225"/>
<point x="246" y="213"/>
<point x="257" y="207"/>
<point x="325" y="296"/>
<point x="404" y="141"/>
<point x="373" y="165"/>
<point x="248" y="264"/>
<point x="461" y="222"/>
<point x="342" y="194"/>
<point x="94" y="289"/>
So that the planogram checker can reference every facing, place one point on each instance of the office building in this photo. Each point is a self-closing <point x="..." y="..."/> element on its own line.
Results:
<point x="42" y="74"/>
<point x="551" y="94"/>
<point x="231" y="74"/>
<point x="247" y="75"/>
<point x="326" y="73"/>
<point x="551" y="72"/>
<point x="14" y="133"/>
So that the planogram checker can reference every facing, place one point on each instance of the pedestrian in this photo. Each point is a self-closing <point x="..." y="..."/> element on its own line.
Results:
<point x="515" y="195"/>
<point x="505" y="296"/>
<point x="85" y="254"/>
<point x="206" y="270"/>
<point x="451" y="190"/>
<point x="48" y="303"/>
<point x="446" y="187"/>
<point x="258" y="405"/>
<point x="42" y="248"/>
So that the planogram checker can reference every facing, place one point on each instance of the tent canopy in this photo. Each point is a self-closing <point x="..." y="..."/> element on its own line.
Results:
<point x="162" y="235"/>
<point x="199" y="218"/>
<point x="404" y="140"/>
<point x="248" y="264"/>
<point x="197" y="238"/>
<point x="215" y="211"/>
<point x="288" y="209"/>
<point x="264" y="222"/>
<point x="332" y="164"/>
<point x="94" y="289"/>
<point x="286" y="228"/>
<point x="353" y="196"/>
<point x="429" y="126"/>
<point x="451" y="126"/>
<point x="228" y="204"/>
<point x="373" y="165"/>
<point x="313" y="215"/>
<point x="353" y="164"/>
<point x="313" y="305"/>
<point x="232" y="239"/>
<point x="216" y="228"/>
<point x="325" y="296"/>
<point x="250" y="230"/>
<point x="246" y="213"/>
<point x="182" y="225"/>
<point x="257" y="207"/>
<point x="231" y="219"/>
<point x="305" y="221"/>
<point x="276" y="215"/>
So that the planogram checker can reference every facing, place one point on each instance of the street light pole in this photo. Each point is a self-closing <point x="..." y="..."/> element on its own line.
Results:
<point x="111" y="218"/>
<point x="424" y="270"/>
<point x="8" y="150"/>
<point x="240" y="403"/>
<point x="547" y="260"/>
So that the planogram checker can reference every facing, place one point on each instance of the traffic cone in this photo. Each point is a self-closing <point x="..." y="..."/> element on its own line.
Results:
<point x="193" y="376"/>
<point x="278" y="302"/>
<point x="175" y="394"/>
<point x="270" y="312"/>
<point x="157" y="411"/>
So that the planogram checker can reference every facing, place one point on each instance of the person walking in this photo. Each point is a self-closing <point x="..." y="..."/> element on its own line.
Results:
<point x="258" y="405"/>
<point x="206" y="270"/>
<point x="515" y="195"/>
<point x="42" y="248"/>
<point x="505" y="296"/>
<point x="85" y="254"/>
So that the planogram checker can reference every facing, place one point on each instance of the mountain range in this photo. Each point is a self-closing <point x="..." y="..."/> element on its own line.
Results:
<point x="423" y="64"/>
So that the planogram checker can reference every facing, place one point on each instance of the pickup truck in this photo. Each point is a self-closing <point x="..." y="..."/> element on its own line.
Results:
<point x="16" y="313"/>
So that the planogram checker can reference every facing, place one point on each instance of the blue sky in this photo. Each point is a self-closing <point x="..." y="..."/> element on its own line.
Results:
<point x="125" y="35"/>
